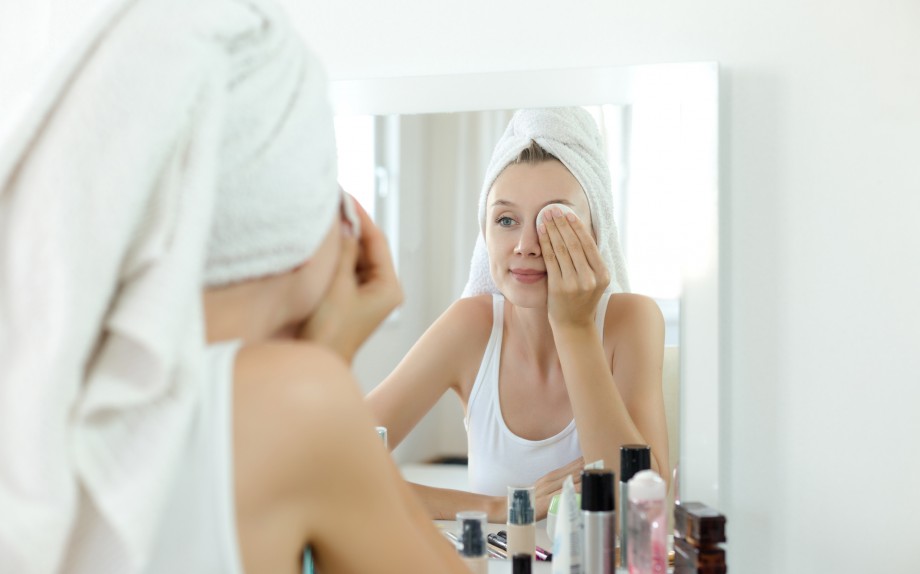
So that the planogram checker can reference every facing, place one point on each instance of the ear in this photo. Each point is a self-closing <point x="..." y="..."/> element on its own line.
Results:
<point x="301" y="266"/>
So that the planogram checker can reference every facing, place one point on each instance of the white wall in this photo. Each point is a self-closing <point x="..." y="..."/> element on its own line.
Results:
<point x="821" y="202"/>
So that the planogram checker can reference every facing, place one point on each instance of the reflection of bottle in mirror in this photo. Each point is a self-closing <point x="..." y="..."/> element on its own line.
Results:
<point x="597" y="506"/>
<point x="473" y="540"/>
<point x="647" y="523"/>
<point x="522" y="532"/>
<point x="382" y="434"/>
<point x="633" y="458"/>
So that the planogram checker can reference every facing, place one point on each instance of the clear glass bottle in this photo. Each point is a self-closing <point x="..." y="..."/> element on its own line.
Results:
<point x="647" y="522"/>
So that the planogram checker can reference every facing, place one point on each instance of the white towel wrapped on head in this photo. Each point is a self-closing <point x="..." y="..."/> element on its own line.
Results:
<point x="572" y="136"/>
<point x="107" y="190"/>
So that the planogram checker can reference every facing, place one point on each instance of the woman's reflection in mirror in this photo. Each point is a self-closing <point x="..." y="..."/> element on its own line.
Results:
<point x="555" y="362"/>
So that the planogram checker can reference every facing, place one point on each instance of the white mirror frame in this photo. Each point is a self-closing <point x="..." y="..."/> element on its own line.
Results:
<point x="696" y="87"/>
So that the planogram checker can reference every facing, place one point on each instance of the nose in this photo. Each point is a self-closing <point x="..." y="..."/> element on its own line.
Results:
<point x="528" y="242"/>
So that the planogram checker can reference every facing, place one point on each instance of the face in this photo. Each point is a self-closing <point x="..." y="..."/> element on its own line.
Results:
<point x="515" y="199"/>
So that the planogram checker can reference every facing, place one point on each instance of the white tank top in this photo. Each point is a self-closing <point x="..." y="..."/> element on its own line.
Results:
<point x="498" y="458"/>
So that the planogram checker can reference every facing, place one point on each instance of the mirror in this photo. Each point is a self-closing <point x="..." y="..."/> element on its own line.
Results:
<point x="432" y="140"/>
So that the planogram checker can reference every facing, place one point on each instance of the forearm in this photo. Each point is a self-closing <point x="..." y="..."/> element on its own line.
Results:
<point x="601" y="416"/>
<point x="444" y="503"/>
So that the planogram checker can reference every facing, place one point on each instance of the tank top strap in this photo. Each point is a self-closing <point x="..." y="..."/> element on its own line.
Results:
<point x="482" y="391"/>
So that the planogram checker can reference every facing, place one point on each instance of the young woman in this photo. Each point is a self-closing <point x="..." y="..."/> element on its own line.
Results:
<point x="283" y="445"/>
<point x="554" y="364"/>
<point x="184" y="161"/>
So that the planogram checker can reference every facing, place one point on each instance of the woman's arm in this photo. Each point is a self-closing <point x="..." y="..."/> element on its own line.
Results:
<point x="447" y="356"/>
<point x="443" y="504"/>
<point x="614" y="402"/>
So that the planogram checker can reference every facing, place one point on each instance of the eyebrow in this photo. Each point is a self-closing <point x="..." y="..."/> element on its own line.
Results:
<point x="506" y="203"/>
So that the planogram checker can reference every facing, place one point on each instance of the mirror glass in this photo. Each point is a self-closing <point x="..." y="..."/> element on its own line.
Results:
<point x="414" y="152"/>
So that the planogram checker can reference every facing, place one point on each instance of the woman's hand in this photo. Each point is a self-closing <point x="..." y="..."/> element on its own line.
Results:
<point x="550" y="484"/>
<point x="576" y="274"/>
<point x="363" y="292"/>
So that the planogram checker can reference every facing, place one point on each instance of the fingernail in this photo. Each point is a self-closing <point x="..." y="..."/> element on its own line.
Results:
<point x="571" y="216"/>
<point x="557" y="212"/>
<point x="542" y="229"/>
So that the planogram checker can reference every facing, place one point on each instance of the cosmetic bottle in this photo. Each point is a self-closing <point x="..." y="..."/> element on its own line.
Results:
<point x="473" y="540"/>
<point x="522" y="533"/>
<point x="521" y="564"/>
<point x="597" y="507"/>
<point x="699" y="524"/>
<point x="698" y="531"/>
<point x="568" y="537"/>
<point x="633" y="458"/>
<point x="647" y="522"/>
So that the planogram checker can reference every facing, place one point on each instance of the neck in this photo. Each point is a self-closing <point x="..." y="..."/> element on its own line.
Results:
<point x="252" y="311"/>
<point x="533" y="336"/>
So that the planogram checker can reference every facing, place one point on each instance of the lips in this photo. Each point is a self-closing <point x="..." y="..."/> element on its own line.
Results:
<point x="528" y="275"/>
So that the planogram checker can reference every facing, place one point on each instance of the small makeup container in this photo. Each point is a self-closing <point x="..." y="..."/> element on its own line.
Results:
<point x="698" y="531"/>
<point x="521" y="564"/>
<point x="690" y="559"/>
<point x="472" y="526"/>
<point x="600" y="521"/>
<point x="647" y="523"/>
<point x="699" y="524"/>
<point x="633" y="458"/>
<point x="522" y="532"/>
<point x="382" y="434"/>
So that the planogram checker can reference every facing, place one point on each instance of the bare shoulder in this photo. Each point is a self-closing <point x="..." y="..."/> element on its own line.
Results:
<point x="632" y="313"/>
<point x="472" y="314"/>
<point x="297" y="386"/>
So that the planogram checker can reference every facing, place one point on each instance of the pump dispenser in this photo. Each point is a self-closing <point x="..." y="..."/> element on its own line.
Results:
<point x="473" y="540"/>
<point x="522" y="534"/>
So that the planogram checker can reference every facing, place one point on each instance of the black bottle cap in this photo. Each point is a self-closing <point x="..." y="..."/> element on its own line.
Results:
<point x="634" y="458"/>
<point x="472" y="538"/>
<point x="521" y="511"/>
<point x="597" y="490"/>
<point x="521" y="564"/>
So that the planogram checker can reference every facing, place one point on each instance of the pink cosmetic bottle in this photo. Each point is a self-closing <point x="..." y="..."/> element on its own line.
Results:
<point x="647" y="522"/>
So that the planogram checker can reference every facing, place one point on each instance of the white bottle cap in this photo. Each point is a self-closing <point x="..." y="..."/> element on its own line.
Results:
<point x="646" y="485"/>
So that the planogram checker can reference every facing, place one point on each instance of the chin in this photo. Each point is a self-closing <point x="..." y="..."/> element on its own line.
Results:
<point x="526" y="297"/>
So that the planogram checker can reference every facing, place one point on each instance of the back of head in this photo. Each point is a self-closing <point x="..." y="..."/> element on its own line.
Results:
<point x="571" y="136"/>
<point x="277" y="194"/>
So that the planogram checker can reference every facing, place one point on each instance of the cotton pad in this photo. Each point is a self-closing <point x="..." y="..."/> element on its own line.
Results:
<point x="565" y="209"/>
<point x="350" y="213"/>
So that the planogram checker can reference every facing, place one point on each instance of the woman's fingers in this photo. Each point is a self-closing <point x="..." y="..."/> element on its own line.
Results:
<point x="567" y="224"/>
<point x="559" y="248"/>
<point x="592" y="253"/>
<point x="573" y="249"/>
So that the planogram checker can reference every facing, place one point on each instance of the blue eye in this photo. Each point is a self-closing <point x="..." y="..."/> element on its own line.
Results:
<point x="505" y="221"/>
